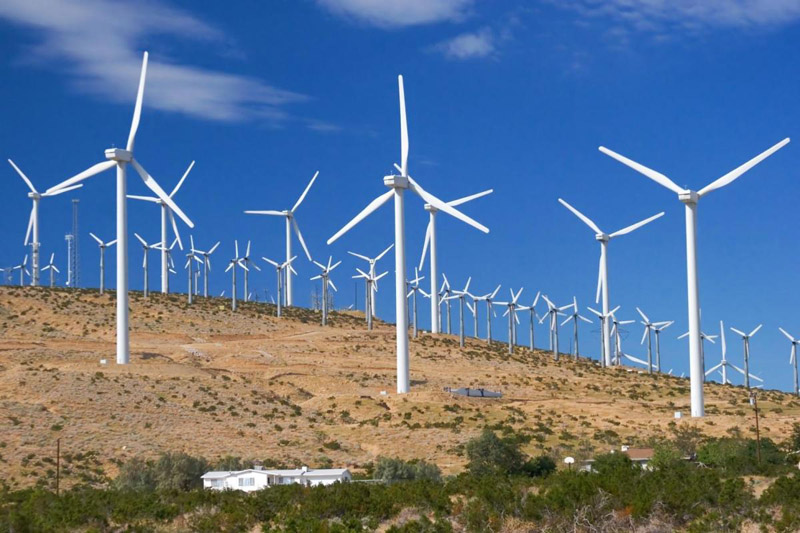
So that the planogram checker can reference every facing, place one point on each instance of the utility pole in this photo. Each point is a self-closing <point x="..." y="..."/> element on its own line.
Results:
<point x="754" y="403"/>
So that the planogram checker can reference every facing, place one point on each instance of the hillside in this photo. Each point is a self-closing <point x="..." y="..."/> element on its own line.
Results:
<point x="211" y="382"/>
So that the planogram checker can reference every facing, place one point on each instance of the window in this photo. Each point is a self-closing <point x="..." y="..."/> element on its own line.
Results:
<point x="217" y="483"/>
<point x="247" y="481"/>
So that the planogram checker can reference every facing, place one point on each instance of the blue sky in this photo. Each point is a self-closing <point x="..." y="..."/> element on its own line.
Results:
<point x="511" y="95"/>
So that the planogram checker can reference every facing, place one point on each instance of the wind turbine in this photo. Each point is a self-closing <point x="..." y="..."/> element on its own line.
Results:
<point x="690" y="198"/>
<point x="232" y="266"/>
<point x="603" y="317"/>
<point x="146" y="248"/>
<point x="52" y="268"/>
<point x="120" y="158"/>
<point x="103" y="246"/>
<point x="532" y="310"/>
<point x="372" y="261"/>
<point x="249" y="263"/>
<point x="649" y="328"/>
<point x="461" y="295"/>
<point x="166" y="213"/>
<point x="602" y="274"/>
<point x="488" y="298"/>
<point x="206" y="266"/>
<point x="326" y="281"/>
<point x="575" y="317"/>
<point x="33" y="220"/>
<point x="430" y="238"/>
<point x="511" y="306"/>
<point x="280" y="268"/>
<point x="23" y="269"/>
<point x="414" y="288"/>
<point x="746" y="342"/>
<point x="398" y="184"/>
<point x="724" y="364"/>
<point x="703" y="338"/>
<point x="191" y="257"/>
<point x="291" y="223"/>
<point x="445" y="294"/>
<point x="168" y="250"/>
<point x="552" y="313"/>
<point x="615" y="331"/>
<point x="661" y="326"/>
<point x="793" y="359"/>
<point x="372" y="288"/>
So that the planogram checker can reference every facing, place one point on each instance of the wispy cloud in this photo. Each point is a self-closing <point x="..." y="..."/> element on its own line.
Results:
<point x="399" y="13"/>
<point x="693" y="15"/>
<point x="472" y="45"/>
<point x="98" y="44"/>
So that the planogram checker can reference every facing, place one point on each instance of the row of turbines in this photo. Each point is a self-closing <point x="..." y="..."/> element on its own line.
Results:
<point x="405" y="288"/>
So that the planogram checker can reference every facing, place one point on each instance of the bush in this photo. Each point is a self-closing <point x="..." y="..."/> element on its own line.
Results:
<point x="172" y="471"/>
<point x="393" y="469"/>
<point x="490" y="455"/>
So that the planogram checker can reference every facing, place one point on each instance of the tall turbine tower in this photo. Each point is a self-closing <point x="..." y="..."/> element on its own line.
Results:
<point x="120" y="158"/>
<point x="690" y="198"/>
<point x="398" y="184"/>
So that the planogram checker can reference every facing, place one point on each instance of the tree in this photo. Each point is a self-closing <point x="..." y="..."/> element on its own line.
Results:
<point x="394" y="469"/>
<point x="539" y="466"/>
<point x="490" y="455"/>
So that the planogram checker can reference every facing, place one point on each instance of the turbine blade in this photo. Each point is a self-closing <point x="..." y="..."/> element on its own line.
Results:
<point x="732" y="175"/>
<point x="786" y="334"/>
<point x="586" y="220"/>
<point x="211" y="251"/>
<point x="140" y="239"/>
<point x="658" y="177"/>
<point x="156" y="188"/>
<point x="742" y="333"/>
<point x="30" y="227"/>
<point x="755" y="330"/>
<point x="175" y="228"/>
<point x="96" y="238"/>
<point x="145" y="198"/>
<point x="88" y="173"/>
<point x="365" y="258"/>
<point x="380" y="255"/>
<point x="24" y="177"/>
<point x="178" y="186"/>
<point x="137" y="111"/>
<point x="267" y="212"/>
<point x="403" y="128"/>
<point x="300" y="238"/>
<point x="441" y="206"/>
<point x="636" y="226"/>
<point x="454" y="203"/>
<point x="644" y="316"/>
<point x="375" y="204"/>
<point x="302" y="196"/>
<point x="332" y="285"/>
<point x="65" y="189"/>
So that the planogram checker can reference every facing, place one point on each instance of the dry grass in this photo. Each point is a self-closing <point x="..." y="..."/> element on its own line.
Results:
<point x="211" y="382"/>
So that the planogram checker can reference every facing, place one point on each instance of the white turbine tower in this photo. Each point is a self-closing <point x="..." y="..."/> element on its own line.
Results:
<point x="281" y="269"/>
<point x="690" y="198"/>
<point x="326" y="282"/>
<point x="649" y="329"/>
<point x="372" y="261"/>
<point x="120" y="158"/>
<point x="53" y="269"/>
<point x="488" y="298"/>
<point x="232" y="267"/>
<point x="291" y="223"/>
<point x="414" y="288"/>
<point x="575" y="317"/>
<point x="146" y="249"/>
<point x="604" y="345"/>
<point x="793" y="359"/>
<point x="170" y="263"/>
<point x="532" y="310"/>
<point x="372" y="288"/>
<point x="206" y="266"/>
<point x="724" y="364"/>
<point x="462" y="296"/>
<point x="103" y="246"/>
<point x="602" y="274"/>
<point x="746" y="343"/>
<point x="445" y="292"/>
<point x="398" y="184"/>
<point x="23" y="269"/>
<point x="661" y="326"/>
<point x="246" y="261"/>
<point x="33" y="220"/>
<point x="166" y="213"/>
<point x="552" y="313"/>
<point x="511" y="311"/>
<point x="430" y="238"/>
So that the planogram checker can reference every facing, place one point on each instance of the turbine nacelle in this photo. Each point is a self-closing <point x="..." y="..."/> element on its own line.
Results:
<point x="396" y="182"/>
<point x="688" y="197"/>
<point x="118" y="154"/>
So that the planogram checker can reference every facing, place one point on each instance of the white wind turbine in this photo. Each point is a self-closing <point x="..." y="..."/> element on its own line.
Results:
<point x="120" y="158"/>
<point x="103" y="246"/>
<point x="793" y="359"/>
<point x="23" y="269"/>
<point x="724" y="364"/>
<point x="33" y="220"/>
<point x="414" y="288"/>
<point x="603" y="317"/>
<point x="166" y="213"/>
<point x="53" y="269"/>
<point x="372" y="288"/>
<point x="575" y="317"/>
<point x="615" y="331"/>
<point x="326" y="282"/>
<point x="488" y="298"/>
<point x="602" y="274"/>
<point x="746" y="343"/>
<point x="281" y="269"/>
<point x="246" y="261"/>
<point x="191" y="257"/>
<point x="430" y="238"/>
<point x="690" y="198"/>
<point x="372" y="261"/>
<point x="170" y="263"/>
<point x="398" y="184"/>
<point x="291" y="223"/>
<point x="703" y="339"/>
<point x="532" y="310"/>
<point x="511" y="311"/>
<point x="444" y="296"/>
<point x="649" y="329"/>
<point x="146" y="249"/>
<point x="232" y="267"/>
<point x="206" y="266"/>
<point x="552" y="313"/>
<point x="462" y="296"/>
<point x="660" y="326"/>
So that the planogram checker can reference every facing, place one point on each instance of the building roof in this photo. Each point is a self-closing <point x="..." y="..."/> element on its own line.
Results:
<point x="295" y="472"/>
<point x="639" y="454"/>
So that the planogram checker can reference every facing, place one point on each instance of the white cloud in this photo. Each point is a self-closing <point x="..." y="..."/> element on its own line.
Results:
<point x="468" y="45"/>
<point x="648" y="15"/>
<point x="398" y="13"/>
<point x="99" y="43"/>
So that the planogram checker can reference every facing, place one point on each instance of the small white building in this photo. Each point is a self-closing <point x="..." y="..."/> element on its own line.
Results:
<point x="258" y="478"/>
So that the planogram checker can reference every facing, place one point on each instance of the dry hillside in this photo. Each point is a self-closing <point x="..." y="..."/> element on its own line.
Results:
<point x="211" y="382"/>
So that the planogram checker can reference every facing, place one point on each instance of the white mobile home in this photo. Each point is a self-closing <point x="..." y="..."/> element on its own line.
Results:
<point x="258" y="478"/>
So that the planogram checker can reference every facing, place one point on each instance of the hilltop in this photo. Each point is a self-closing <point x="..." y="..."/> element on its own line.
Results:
<point x="210" y="382"/>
